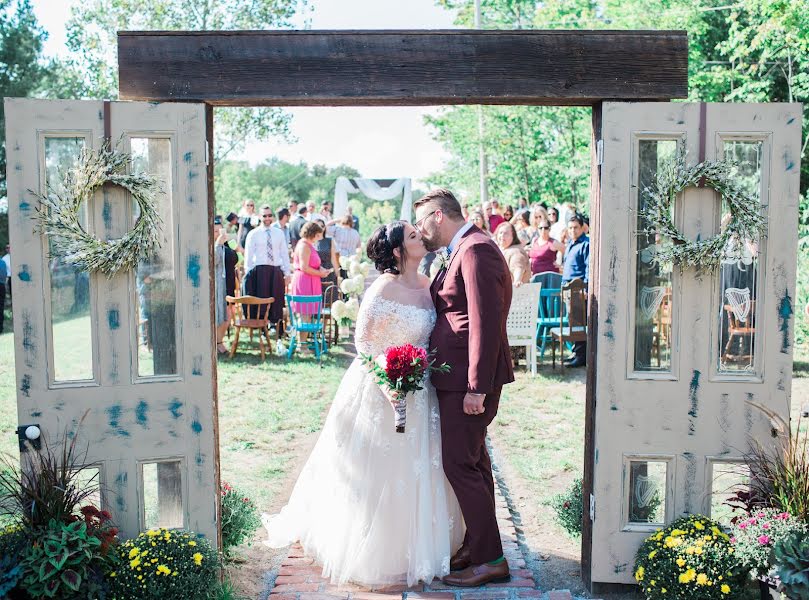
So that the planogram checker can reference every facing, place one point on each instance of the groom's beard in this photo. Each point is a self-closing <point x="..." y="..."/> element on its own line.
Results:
<point x="431" y="244"/>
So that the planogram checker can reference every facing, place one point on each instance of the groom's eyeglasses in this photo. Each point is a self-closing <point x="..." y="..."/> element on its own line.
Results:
<point x="420" y="222"/>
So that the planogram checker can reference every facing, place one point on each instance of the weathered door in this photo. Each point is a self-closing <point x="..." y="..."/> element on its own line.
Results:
<point x="136" y="349"/>
<point x="678" y="358"/>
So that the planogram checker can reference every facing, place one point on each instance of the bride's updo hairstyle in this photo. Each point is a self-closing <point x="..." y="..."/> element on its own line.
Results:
<point x="383" y="242"/>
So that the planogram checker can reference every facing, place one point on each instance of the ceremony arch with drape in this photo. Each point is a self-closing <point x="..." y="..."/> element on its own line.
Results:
<point x="376" y="190"/>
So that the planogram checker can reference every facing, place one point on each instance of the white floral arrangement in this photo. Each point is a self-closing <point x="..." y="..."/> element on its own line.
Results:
<point x="346" y="312"/>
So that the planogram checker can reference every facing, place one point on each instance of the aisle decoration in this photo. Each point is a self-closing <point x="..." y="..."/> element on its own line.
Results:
<point x="745" y="222"/>
<point x="59" y="214"/>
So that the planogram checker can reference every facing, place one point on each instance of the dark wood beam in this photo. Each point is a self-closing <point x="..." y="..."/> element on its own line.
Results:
<point x="333" y="68"/>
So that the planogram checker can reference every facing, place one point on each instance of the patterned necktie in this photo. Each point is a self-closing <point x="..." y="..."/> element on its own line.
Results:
<point x="269" y="247"/>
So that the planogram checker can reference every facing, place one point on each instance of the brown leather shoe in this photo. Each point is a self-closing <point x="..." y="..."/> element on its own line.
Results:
<point x="461" y="560"/>
<point x="478" y="575"/>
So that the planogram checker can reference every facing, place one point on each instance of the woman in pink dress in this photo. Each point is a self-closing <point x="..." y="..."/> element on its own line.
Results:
<point x="543" y="248"/>
<point x="308" y="273"/>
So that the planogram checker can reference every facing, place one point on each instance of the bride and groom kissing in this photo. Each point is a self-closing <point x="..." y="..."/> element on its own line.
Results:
<point x="376" y="507"/>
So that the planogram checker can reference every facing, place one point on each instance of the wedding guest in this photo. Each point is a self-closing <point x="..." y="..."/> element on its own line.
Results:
<point x="543" y="250"/>
<point x="327" y="251"/>
<point x="225" y="260"/>
<point x="355" y="220"/>
<point x="308" y="273"/>
<point x="516" y="258"/>
<point x="538" y="214"/>
<point x="476" y="218"/>
<point x="311" y="210"/>
<point x="247" y="221"/>
<point x="292" y="206"/>
<point x="266" y="265"/>
<point x="576" y="265"/>
<point x="231" y="223"/>
<point x="282" y="223"/>
<point x="295" y="225"/>
<point x="493" y="219"/>
<point x="522" y="225"/>
<point x="522" y="206"/>
<point x="508" y="213"/>
<point x="346" y="238"/>
<point x="558" y="216"/>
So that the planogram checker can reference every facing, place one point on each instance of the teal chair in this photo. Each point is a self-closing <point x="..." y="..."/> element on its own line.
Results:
<point x="314" y="327"/>
<point x="550" y="307"/>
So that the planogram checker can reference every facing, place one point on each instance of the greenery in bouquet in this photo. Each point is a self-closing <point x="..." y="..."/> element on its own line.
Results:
<point x="568" y="507"/>
<point x="403" y="368"/>
<point x="240" y="518"/>
<point x="791" y="557"/>
<point x="165" y="564"/>
<point x="754" y="537"/>
<point x="691" y="559"/>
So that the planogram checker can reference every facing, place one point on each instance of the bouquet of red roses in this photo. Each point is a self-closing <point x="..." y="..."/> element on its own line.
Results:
<point x="403" y="369"/>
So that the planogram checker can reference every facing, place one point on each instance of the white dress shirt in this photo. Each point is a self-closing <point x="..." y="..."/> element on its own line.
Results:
<point x="257" y="252"/>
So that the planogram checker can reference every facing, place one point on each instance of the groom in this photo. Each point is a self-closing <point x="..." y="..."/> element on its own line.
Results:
<point x="472" y="295"/>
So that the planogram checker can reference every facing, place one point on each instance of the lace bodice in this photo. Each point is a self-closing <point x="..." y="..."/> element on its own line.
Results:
<point x="383" y="323"/>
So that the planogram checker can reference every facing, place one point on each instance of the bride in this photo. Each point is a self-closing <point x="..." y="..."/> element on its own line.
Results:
<point x="371" y="505"/>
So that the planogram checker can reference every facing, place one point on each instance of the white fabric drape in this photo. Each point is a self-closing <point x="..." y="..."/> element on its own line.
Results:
<point x="369" y="187"/>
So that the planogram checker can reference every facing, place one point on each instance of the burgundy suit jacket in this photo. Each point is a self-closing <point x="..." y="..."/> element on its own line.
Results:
<point x="472" y="298"/>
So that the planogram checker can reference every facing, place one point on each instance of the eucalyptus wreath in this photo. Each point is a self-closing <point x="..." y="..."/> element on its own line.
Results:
<point x="745" y="222"/>
<point x="58" y="213"/>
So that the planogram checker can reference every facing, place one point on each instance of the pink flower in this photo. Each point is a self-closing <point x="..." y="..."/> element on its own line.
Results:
<point x="765" y="526"/>
<point x="752" y="521"/>
<point x="760" y="515"/>
<point x="743" y="524"/>
<point x="733" y="540"/>
<point x="763" y="540"/>
<point x="782" y="516"/>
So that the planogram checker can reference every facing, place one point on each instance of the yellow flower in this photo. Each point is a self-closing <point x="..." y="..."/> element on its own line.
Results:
<point x="725" y="588"/>
<point x="652" y="553"/>
<point x="652" y="582"/>
<point x="134" y="563"/>
<point x="697" y="551"/>
<point x="112" y="574"/>
<point x="688" y="576"/>
<point x="699" y="525"/>
<point x="702" y="579"/>
<point x="663" y="590"/>
<point x="639" y="574"/>
<point x="680" y="562"/>
<point x="673" y="542"/>
<point x="163" y="569"/>
<point x="153" y="532"/>
<point x="174" y="574"/>
<point x="192" y="543"/>
<point x="133" y="553"/>
<point x="197" y="558"/>
<point x="689" y="550"/>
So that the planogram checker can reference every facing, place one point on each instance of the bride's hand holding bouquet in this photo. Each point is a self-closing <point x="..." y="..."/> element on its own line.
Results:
<point x="401" y="370"/>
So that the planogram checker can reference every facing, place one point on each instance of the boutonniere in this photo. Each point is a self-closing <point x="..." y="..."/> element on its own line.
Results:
<point x="440" y="263"/>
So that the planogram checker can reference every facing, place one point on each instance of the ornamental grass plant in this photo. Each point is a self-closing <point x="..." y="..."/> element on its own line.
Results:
<point x="166" y="564"/>
<point x="691" y="559"/>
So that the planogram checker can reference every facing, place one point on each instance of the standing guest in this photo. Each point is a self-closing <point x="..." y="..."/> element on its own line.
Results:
<point x="522" y="206"/>
<point x="282" y="223"/>
<point x="508" y="213"/>
<point x="3" y="278"/>
<point x="577" y="265"/>
<point x="346" y="238"/>
<point x="326" y="217"/>
<point x="355" y="221"/>
<point x="225" y="260"/>
<point x="295" y="225"/>
<point x="538" y="214"/>
<point x="543" y="250"/>
<point x="266" y="266"/>
<point x="477" y="219"/>
<point x="308" y="273"/>
<point x="327" y="251"/>
<point x="558" y="226"/>
<point x="231" y="223"/>
<point x="310" y="210"/>
<point x="247" y="221"/>
<point x="292" y="206"/>
<point x="516" y="258"/>
<point x="522" y="225"/>
<point x="493" y="219"/>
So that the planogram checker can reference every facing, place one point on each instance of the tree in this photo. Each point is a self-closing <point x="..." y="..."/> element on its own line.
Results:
<point x="22" y="70"/>
<point x="91" y="70"/>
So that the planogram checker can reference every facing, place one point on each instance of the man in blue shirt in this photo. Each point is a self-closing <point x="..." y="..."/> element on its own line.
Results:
<point x="577" y="265"/>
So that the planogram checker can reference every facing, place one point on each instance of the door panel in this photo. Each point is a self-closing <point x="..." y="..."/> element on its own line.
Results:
<point x="672" y="387"/>
<point x="134" y="350"/>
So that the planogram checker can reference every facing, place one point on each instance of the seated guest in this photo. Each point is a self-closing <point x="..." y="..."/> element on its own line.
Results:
<point x="266" y="266"/>
<point x="576" y="265"/>
<point x="225" y="260"/>
<point x="308" y="273"/>
<point x="493" y="219"/>
<point x="538" y="214"/>
<point x="543" y="250"/>
<point x="515" y="255"/>
<point x="508" y="213"/>
<point x="476" y="218"/>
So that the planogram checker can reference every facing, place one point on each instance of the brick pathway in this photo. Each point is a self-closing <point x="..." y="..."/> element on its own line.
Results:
<point x="300" y="579"/>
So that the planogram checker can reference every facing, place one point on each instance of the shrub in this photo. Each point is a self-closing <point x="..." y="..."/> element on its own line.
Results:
<point x="65" y="561"/>
<point x="755" y="537"/>
<point x="691" y="559"/>
<point x="240" y="518"/>
<point x="164" y="564"/>
<point x="568" y="508"/>
<point x="12" y="544"/>
<point x="791" y="555"/>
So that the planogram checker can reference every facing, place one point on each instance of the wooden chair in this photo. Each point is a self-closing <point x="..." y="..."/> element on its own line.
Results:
<point x="330" y="295"/>
<point x="661" y="336"/>
<point x="739" y="332"/>
<point x="313" y="328"/>
<point x="521" y="322"/>
<point x="574" y="296"/>
<point x="259" y="324"/>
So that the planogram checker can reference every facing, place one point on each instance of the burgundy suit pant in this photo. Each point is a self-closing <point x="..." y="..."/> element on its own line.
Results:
<point x="469" y="470"/>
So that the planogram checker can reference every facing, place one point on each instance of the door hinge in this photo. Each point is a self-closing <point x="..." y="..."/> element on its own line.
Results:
<point x="592" y="508"/>
<point x="207" y="154"/>
<point x="600" y="152"/>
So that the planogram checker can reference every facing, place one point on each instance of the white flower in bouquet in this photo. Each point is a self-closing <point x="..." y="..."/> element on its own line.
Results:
<point x="347" y="286"/>
<point x="359" y="284"/>
<point x="352" y="308"/>
<point x="338" y="310"/>
<point x="345" y="262"/>
<point x="365" y="268"/>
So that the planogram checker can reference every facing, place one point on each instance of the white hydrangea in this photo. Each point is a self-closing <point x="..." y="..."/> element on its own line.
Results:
<point x="352" y="308"/>
<point x="338" y="310"/>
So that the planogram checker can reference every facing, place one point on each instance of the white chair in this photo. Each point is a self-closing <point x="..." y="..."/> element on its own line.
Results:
<point x="521" y="325"/>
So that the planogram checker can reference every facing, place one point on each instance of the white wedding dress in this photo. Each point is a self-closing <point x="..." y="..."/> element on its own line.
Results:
<point x="373" y="506"/>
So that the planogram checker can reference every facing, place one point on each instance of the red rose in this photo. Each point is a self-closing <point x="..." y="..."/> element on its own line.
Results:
<point x="403" y="361"/>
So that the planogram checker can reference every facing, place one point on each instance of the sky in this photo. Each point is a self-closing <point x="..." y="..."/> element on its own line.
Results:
<point x="379" y="142"/>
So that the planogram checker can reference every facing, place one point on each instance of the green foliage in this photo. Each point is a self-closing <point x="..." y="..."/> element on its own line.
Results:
<point x="691" y="559"/>
<point x="65" y="561"/>
<point x="227" y="591"/>
<point x="239" y="518"/>
<point x="569" y="508"/>
<point x="791" y="556"/>
<point x="22" y="73"/>
<point x="12" y="543"/>
<point x="164" y="564"/>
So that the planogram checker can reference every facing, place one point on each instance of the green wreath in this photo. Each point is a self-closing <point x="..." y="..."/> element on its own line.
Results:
<point x="58" y="214"/>
<point x="746" y="219"/>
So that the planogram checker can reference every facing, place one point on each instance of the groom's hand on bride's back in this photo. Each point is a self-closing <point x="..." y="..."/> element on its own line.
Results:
<point x="473" y="403"/>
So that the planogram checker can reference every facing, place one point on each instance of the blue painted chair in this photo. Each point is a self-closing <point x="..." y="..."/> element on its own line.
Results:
<point x="314" y="327"/>
<point x="551" y="308"/>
